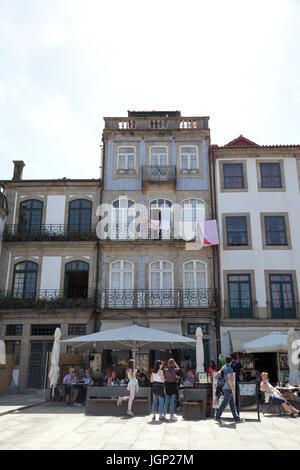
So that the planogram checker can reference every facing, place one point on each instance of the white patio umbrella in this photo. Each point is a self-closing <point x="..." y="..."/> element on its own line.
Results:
<point x="132" y="338"/>
<point x="54" y="369"/>
<point x="273" y="342"/>
<point x="199" y="351"/>
<point x="293" y="357"/>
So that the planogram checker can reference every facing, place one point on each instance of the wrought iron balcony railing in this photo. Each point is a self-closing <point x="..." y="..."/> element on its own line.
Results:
<point x="283" y="310"/>
<point x="240" y="310"/>
<point x="3" y="203"/>
<point x="151" y="230"/>
<point x="159" y="174"/>
<point x="157" y="298"/>
<point x="39" y="232"/>
<point x="47" y="299"/>
<point x="110" y="299"/>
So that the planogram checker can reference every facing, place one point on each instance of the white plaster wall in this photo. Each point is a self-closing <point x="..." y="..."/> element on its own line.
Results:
<point x="55" y="212"/>
<point x="50" y="273"/>
<point x="255" y="202"/>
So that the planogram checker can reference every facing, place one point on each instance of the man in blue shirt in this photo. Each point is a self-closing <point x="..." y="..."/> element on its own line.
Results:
<point x="228" y="390"/>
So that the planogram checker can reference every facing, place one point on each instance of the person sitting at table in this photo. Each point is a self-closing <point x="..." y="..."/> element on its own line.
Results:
<point x="182" y="375"/>
<point x="142" y="378"/>
<point x="190" y="378"/>
<point x="113" y="379"/>
<point x="242" y="376"/>
<point x="70" y="379"/>
<point x="275" y="395"/>
<point x="211" y="369"/>
<point x="88" y="381"/>
<point x="253" y="376"/>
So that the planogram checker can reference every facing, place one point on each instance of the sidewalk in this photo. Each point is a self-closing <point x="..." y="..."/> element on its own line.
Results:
<point x="10" y="403"/>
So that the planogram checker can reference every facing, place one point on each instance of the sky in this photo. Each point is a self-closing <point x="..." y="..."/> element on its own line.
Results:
<point x="65" y="64"/>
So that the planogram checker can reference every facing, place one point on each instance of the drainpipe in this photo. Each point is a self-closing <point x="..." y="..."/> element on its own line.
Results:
<point x="216" y="257"/>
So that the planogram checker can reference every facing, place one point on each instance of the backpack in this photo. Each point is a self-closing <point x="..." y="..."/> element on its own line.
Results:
<point x="220" y="383"/>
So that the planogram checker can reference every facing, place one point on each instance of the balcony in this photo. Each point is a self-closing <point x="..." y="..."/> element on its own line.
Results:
<point x="281" y="311"/>
<point x="47" y="299"/>
<point x="159" y="174"/>
<point x="235" y="310"/>
<point x="15" y="233"/>
<point x="111" y="299"/>
<point x="157" y="298"/>
<point x="3" y="203"/>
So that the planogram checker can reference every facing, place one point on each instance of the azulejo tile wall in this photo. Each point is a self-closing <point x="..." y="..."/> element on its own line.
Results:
<point x="135" y="184"/>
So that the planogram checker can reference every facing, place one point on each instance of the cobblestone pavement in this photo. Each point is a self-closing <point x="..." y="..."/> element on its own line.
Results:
<point x="56" y="426"/>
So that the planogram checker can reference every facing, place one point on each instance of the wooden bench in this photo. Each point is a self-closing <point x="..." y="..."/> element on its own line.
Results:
<point x="102" y="401"/>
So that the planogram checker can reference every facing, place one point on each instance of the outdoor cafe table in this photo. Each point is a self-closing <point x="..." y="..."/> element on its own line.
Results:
<point x="102" y="401"/>
<point x="73" y="387"/>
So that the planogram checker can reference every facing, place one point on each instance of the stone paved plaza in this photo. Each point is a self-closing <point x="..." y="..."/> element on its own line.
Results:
<point x="56" y="426"/>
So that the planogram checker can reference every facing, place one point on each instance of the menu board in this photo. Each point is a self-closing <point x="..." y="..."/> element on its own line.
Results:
<point x="202" y="377"/>
<point x="247" y="390"/>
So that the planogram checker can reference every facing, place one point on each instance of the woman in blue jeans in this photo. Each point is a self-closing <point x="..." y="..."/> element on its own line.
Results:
<point x="158" y="390"/>
<point x="171" y="375"/>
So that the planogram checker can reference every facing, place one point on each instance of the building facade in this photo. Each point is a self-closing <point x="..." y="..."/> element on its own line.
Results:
<point x="48" y="268"/>
<point x="157" y="183"/>
<point x="258" y="200"/>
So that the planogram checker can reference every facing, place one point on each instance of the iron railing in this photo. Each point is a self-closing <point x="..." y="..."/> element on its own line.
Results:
<point x="240" y="311"/>
<point x="110" y="299"/>
<point x="47" y="299"/>
<point x="282" y="311"/>
<point x="159" y="174"/>
<point x="151" y="230"/>
<point x="157" y="298"/>
<point x="39" y="232"/>
<point x="3" y="203"/>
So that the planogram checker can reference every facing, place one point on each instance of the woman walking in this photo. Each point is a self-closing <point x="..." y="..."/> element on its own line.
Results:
<point x="132" y="386"/>
<point x="158" y="390"/>
<point x="171" y="376"/>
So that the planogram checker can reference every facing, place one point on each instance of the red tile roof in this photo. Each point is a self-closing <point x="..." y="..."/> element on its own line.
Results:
<point x="242" y="142"/>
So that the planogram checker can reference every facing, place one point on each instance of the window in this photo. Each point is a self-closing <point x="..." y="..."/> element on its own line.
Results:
<point x="121" y="284"/>
<point x="159" y="156"/>
<point x="236" y="230"/>
<point x="77" y="329"/>
<point x="126" y="160"/>
<point x="161" y="219"/>
<point x="282" y="296"/>
<point x="233" y="176"/>
<point x="43" y="330"/>
<point x="14" y="348"/>
<point x="192" y="327"/>
<point x="193" y="216"/>
<point x="80" y="215"/>
<point x="194" y="284"/>
<point x="30" y="217"/>
<point x="270" y="175"/>
<point x="189" y="159"/>
<point x="275" y="230"/>
<point x="24" y="281"/>
<point x="123" y="220"/>
<point x="76" y="279"/>
<point x="239" y="296"/>
<point x="14" y="330"/>
<point x="161" y="284"/>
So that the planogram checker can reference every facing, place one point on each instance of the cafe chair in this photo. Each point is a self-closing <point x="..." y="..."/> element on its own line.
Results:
<point x="269" y="406"/>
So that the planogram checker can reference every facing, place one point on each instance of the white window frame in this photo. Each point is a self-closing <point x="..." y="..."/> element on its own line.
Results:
<point x="194" y="302"/>
<point x="129" y="233"/>
<point x="189" y="170"/>
<point x="164" y="232"/>
<point x="126" y="155"/>
<point x="121" y="270"/>
<point x="167" y="301"/>
<point x="193" y="227"/>
<point x="160" y="154"/>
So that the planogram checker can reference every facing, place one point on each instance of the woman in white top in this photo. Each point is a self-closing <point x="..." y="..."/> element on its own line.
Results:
<point x="132" y="386"/>
<point x="158" y="390"/>
<point x="275" y="395"/>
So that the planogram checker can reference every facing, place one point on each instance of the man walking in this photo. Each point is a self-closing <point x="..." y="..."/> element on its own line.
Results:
<point x="228" y="390"/>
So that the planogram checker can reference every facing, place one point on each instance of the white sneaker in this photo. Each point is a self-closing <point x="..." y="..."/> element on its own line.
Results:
<point x="79" y="404"/>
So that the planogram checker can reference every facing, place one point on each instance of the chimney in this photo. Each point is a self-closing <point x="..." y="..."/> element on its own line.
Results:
<point x="18" y="169"/>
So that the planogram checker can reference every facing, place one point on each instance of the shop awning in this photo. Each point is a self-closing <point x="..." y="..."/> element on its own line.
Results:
<point x="171" y="326"/>
<point x="112" y="324"/>
<point x="240" y="337"/>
